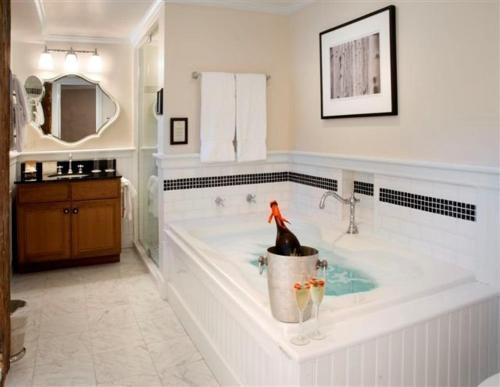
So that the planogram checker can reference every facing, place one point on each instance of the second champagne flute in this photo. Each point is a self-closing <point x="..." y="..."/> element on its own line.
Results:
<point x="317" y="293"/>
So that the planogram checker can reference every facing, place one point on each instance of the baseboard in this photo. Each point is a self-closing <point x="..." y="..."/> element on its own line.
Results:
<point x="215" y="361"/>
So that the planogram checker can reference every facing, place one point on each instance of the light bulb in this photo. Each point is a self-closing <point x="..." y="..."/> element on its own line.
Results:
<point x="46" y="62"/>
<point x="95" y="63"/>
<point x="71" y="61"/>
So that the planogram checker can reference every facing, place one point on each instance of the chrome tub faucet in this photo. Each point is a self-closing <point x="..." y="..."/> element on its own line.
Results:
<point x="351" y="201"/>
<point x="251" y="198"/>
<point x="219" y="202"/>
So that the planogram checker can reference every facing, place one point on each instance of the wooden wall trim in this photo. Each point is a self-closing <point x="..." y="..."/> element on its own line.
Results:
<point x="5" y="106"/>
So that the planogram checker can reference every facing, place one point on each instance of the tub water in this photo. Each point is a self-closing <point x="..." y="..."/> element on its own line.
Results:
<point x="340" y="279"/>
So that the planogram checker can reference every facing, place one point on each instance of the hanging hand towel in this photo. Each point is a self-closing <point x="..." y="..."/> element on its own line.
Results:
<point x="217" y="119"/>
<point x="20" y="112"/>
<point x="129" y="194"/>
<point x="251" y="117"/>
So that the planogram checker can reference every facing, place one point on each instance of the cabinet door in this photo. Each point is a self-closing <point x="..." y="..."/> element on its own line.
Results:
<point x="95" y="227"/>
<point x="43" y="232"/>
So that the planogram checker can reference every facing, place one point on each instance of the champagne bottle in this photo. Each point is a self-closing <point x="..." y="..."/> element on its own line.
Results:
<point x="286" y="242"/>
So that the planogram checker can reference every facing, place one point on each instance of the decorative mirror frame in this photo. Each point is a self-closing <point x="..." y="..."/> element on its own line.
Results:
<point x="91" y="136"/>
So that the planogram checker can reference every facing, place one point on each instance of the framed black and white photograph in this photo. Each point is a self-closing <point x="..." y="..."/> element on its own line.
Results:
<point x="358" y="67"/>
<point x="178" y="131"/>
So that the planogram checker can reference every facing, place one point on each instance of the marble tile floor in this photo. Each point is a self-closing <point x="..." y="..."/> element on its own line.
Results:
<point x="103" y="326"/>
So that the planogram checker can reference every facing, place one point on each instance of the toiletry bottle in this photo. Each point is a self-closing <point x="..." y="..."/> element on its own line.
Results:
<point x="286" y="242"/>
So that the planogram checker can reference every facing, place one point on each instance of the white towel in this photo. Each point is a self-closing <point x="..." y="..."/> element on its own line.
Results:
<point x="251" y="117"/>
<point x="129" y="194"/>
<point x="217" y="121"/>
<point x="152" y="188"/>
<point x="20" y="112"/>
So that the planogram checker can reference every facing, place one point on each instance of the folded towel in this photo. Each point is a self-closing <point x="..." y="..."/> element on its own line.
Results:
<point x="152" y="187"/>
<point x="251" y="117"/>
<point x="129" y="194"/>
<point x="217" y="121"/>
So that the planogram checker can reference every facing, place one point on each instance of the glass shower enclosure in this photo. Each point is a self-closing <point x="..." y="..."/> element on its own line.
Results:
<point x="149" y="85"/>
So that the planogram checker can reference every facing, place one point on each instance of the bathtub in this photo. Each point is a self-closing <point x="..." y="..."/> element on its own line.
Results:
<point x="379" y="297"/>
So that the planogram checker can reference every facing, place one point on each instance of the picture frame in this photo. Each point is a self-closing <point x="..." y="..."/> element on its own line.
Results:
<point x="178" y="131"/>
<point x="159" y="102"/>
<point x="358" y="69"/>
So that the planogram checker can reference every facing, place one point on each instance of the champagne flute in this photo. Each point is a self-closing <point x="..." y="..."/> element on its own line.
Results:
<point x="317" y="293"/>
<point x="302" y="296"/>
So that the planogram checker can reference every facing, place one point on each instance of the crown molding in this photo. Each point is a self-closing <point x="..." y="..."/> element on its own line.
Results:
<point x="85" y="39"/>
<point x="146" y="23"/>
<point x="42" y="18"/>
<point x="245" y="5"/>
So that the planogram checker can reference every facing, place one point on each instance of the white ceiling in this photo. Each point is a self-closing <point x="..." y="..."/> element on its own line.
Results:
<point x="35" y="20"/>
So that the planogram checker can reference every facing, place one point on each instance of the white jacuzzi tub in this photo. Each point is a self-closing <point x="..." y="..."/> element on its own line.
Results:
<point x="230" y="246"/>
<point x="217" y="257"/>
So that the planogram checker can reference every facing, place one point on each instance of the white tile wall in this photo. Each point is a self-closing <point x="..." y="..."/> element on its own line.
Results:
<point x="200" y="202"/>
<point x="465" y="243"/>
<point x="305" y="199"/>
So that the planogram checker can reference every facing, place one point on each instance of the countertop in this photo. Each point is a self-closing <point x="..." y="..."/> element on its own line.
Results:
<point x="90" y="176"/>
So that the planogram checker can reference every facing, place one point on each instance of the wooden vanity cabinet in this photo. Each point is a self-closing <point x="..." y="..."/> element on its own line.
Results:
<point x="67" y="223"/>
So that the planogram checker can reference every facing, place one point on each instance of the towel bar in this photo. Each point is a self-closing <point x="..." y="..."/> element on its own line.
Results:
<point x="197" y="75"/>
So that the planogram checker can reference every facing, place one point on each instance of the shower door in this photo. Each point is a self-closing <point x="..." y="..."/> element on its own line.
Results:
<point x="147" y="146"/>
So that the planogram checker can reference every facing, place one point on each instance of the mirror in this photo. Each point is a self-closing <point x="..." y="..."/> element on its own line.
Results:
<point x="34" y="88"/>
<point x="69" y="107"/>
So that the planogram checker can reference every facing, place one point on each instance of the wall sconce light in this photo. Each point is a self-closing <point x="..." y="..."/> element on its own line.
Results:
<point x="95" y="63"/>
<point x="46" y="62"/>
<point x="71" y="60"/>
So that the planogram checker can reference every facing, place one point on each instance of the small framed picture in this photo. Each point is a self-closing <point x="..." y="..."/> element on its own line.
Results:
<point x="358" y="67"/>
<point x="178" y="131"/>
<point x="159" y="102"/>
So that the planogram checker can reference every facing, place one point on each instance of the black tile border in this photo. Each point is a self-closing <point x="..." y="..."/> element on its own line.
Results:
<point x="363" y="188"/>
<point x="313" y="181"/>
<point x="253" y="178"/>
<point x="464" y="211"/>
<point x="459" y="210"/>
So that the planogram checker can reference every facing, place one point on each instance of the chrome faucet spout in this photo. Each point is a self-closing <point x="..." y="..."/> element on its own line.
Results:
<point x="335" y="195"/>
<point x="70" y="161"/>
<point x="351" y="201"/>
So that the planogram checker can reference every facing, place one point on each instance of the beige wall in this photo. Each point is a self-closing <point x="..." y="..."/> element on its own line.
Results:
<point x="448" y="81"/>
<point x="202" y="38"/>
<point x="116" y="78"/>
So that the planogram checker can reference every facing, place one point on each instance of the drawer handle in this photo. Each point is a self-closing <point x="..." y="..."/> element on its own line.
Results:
<point x="75" y="211"/>
<point x="66" y="211"/>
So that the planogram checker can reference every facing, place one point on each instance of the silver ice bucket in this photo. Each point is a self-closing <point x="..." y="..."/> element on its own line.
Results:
<point x="282" y="273"/>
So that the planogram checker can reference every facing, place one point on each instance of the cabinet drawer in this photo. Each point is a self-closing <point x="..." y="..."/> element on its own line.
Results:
<point x="43" y="193"/>
<point x="90" y="190"/>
